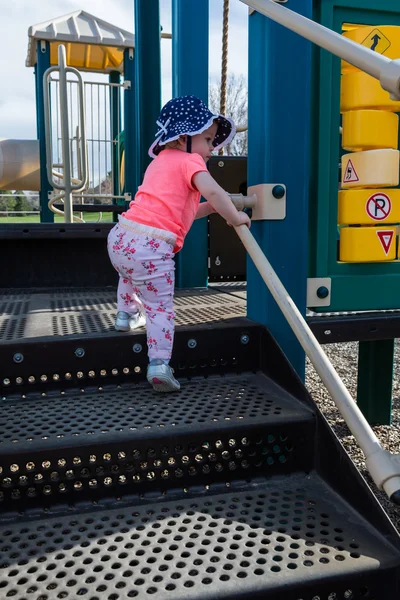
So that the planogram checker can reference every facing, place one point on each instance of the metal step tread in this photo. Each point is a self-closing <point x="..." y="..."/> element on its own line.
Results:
<point x="291" y="534"/>
<point x="128" y="437"/>
<point x="76" y="312"/>
<point x="76" y="417"/>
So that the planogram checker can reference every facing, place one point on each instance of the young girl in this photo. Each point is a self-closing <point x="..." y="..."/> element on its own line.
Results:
<point x="143" y="243"/>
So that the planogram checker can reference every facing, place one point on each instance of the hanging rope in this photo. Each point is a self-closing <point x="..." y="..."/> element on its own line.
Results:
<point x="224" y="64"/>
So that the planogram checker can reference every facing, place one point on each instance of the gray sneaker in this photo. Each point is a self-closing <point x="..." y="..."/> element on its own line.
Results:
<point x="161" y="377"/>
<point x="128" y="322"/>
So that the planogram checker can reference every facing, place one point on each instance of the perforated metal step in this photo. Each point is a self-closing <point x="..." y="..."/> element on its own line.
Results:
<point x="291" y="538"/>
<point x="130" y="438"/>
<point x="67" y="312"/>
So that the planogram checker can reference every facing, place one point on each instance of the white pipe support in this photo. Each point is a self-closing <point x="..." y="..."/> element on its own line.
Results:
<point x="81" y="129"/>
<point x="48" y="137"/>
<point x="240" y="202"/>
<point x="385" y="70"/>
<point x="384" y="470"/>
<point x="65" y="147"/>
<point x="390" y="78"/>
<point x="81" y="183"/>
<point x="60" y="197"/>
<point x="60" y="176"/>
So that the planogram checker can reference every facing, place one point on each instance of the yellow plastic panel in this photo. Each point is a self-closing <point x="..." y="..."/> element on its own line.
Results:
<point x="361" y="91"/>
<point x="384" y="39"/>
<point x="373" y="168"/>
<point x="367" y="244"/>
<point x="89" y="57"/>
<point x="369" y="207"/>
<point x="350" y="26"/>
<point x="369" y="130"/>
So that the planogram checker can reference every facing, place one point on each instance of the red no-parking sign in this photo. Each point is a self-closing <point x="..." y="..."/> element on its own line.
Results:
<point x="378" y="206"/>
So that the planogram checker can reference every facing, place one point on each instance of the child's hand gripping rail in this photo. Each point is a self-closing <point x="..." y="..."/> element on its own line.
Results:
<point x="383" y="466"/>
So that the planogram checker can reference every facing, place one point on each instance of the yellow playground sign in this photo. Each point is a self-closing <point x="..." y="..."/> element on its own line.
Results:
<point x="384" y="39"/>
<point x="377" y="41"/>
<point x="367" y="244"/>
<point x="369" y="207"/>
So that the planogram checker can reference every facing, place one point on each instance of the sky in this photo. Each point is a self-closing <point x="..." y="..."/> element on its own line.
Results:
<point x="17" y="98"/>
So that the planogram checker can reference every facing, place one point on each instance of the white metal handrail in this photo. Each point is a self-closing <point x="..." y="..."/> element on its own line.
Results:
<point x="67" y="185"/>
<point x="383" y="466"/>
<point x="373" y="63"/>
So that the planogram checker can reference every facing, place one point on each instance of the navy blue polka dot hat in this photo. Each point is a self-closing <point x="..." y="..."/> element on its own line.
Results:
<point x="188" y="115"/>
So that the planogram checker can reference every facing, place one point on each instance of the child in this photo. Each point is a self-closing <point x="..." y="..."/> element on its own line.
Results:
<point x="148" y="235"/>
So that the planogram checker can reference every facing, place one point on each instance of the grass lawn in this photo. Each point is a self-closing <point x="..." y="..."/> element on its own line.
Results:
<point x="88" y="217"/>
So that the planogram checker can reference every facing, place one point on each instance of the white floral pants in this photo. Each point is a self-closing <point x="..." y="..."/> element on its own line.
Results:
<point x="146" y="283"/>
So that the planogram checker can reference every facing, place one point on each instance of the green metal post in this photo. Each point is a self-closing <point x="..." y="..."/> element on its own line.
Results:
<point x="190" y="76"/>
<point x="115" y="123"/>
<point x="375" y="378"/>
<point x="43" y="63"/>
<point x="147" y="78"/>
<point x="130" y="129"/>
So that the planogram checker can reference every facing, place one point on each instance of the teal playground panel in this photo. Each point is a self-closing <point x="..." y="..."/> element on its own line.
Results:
<point x="279" y="76"/>
<point x="190" y="76"/>
<point x="354" y="287"/>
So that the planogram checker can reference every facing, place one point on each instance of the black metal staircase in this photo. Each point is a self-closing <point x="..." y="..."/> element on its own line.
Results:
<point x="233" y="488"/>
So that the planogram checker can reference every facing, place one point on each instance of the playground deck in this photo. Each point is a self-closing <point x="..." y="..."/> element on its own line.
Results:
<point x="43" y="313"/>
<point x="79" y="312"/>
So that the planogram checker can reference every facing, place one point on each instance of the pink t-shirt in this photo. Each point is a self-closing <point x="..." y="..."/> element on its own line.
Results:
<point x="167" y="198"/>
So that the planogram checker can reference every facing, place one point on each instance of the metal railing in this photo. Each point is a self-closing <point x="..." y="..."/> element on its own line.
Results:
<point x="97" y="103"/>
<point x="102" y="147"/>
<point x="383" y="466"/>
<point x="67" y="183"/>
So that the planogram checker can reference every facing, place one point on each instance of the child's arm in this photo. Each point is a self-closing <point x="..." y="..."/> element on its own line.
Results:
<point x="204" y="210"/>
<point x="219" y="199"/>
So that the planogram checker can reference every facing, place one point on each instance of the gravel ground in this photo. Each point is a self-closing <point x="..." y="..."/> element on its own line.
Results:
<point x="344" y="358"/>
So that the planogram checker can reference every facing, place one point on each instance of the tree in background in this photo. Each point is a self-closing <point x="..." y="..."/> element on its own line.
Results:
<point x="22" y="204"/>
<point x="17" y="202"/>
<point x="236" y="107"/>
<point x="7" y="201"/>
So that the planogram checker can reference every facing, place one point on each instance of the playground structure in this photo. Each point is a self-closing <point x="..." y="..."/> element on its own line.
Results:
<point x="85" y="115"/>
<point x="290" y="456"/>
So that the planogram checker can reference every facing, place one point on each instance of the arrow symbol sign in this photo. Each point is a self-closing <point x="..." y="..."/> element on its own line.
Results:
<point x="375" y="41"/>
